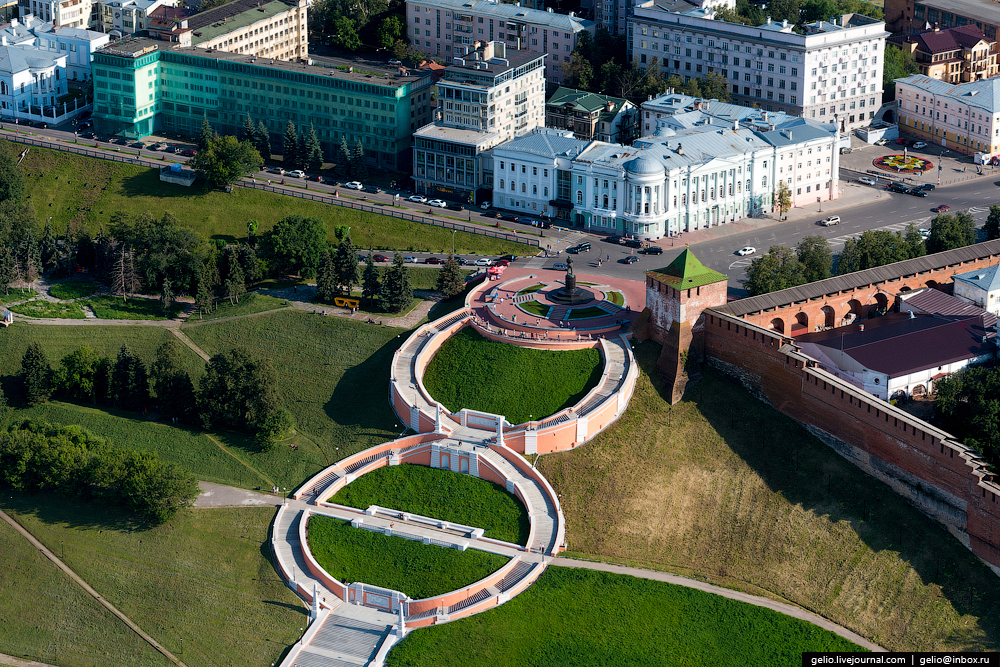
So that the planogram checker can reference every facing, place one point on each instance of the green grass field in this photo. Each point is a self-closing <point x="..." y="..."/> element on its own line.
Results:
<point x="47" y="618"/>
<point x="531" y="290"/>
<point x="721" y="487"/>
<point x="472" y="372"/>
<point x="582" y="618"/>
<point x="201" y="585"/>
<point x="534" y="308"/>
<point x="39" y="308"/>
<point x="17" y="294"/>
<point x="420" y="570"/>
<point x="73" y="289"/>
<point x="332" y="372"/>
<point x="110" y="307"/>
<point x="250" y="303"/>
<point x="616" y="298"/>
<point x="424" y="277"/>
<point x="64" y="183"/>
<point x="441" y="494"/>
<point x="586" y="313"/>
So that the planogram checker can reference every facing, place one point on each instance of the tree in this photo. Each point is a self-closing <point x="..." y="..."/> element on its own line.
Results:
<point x="290" y="145"/>
<point x="396" y="292"/>
<point x="297" y="244"/>
<point x="11" y="179"/>
<point x="313" y="153"/>
<point x="206" y="133"/>
<point x="862" y="7"/>
<point x="450" y="282"/>
<point x="875" y="247"/>
<point x="782" y="198"/>
<point x="279" y="425"/>
<point x="75" y="377"/>
<point x="343" y="166"/>
<point x="914" y="241"/>
<point x="346" y="34"/>
<point x="968" y="405"/>
<point x="252" y="227"/>
<point x="203" y="298"/>
<point x="8" y="268"/>
<point x="581" y="72"/>
<point x="262" y="141"/>
<point x="818" y="10"/>
<point x="36" y="375"/>
<point x="227" y="160"/>
<point x="166" y="295"/>
<point x="400" y="50"/>
<point x="30" y="258"/>
<point x="778" y="269"/>
<point x="358" y="167"/>
<point x="815" y="258"/>
<point x="129" y="381"/>
<point x="371" y="284"/>
<point x="238" y="390"/>
<point x="235" y="283"/>
<point x="250" y="264"/>
<point x="897" y="64"/>
<point x="171" y="384"/>
<point x="992" y="226"/>
<point x="951" y="231"/>
<point x="326" y="280"/>
<point x="48" y="249"/>
<point x="347" y="265"/>
<point x="248" y="132"/>
<point x="390" y="31"/>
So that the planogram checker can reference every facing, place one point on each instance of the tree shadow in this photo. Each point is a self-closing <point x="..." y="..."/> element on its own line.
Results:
<point x="147" y="183"/>
<point x="806" y="472"/>
<point x="360" y="397"/>
<point x="54" y="509"/>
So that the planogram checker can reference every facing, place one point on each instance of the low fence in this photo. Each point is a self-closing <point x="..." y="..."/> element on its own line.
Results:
<point x="121" y="155"/>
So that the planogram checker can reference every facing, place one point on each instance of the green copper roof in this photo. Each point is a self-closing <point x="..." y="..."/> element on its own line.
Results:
<point x="686" y="272"/>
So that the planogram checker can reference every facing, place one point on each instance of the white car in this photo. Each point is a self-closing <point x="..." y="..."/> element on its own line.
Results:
<point x="440" y="203"/>
<point x="831" y="221"/>
<point x="355" y="185"/>
<point x="410" y="259"/>
<point x="420" y="199"/>
<point x="297" y="173"/>
<point x="395" y="62"/>
<point x="920" y="144"/>
<point x="748" y="250"/>
<point x="483" y="261"/>
<point x="485" y="205"/>
<point x="867" y="180"/>
<point x="925" y="233"/>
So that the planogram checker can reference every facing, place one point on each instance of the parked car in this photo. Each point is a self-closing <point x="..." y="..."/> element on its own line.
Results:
<point x="746" y="250"/>
<point x="900" y="141"/>
<point x="881" y="142"/>
<point x="917" y="192"/>
<point x="279" y="171"/>
<point x="172" y="148"/>
<point x="483" y="261"/>
<point x="633" y="243"/>
<point x="631" y="259"/>
<point x="440" y="203"/>
<point x="296" y="173"/>
<point x="501" y="262"/>
<point x="920" y="144"/>
<point x="87" y="135"/>
<point x="509" y="258"/>
<point x="380" y="258"/>
<point x="612" y="239"/>
<point x="941" y="208"/>
<point x="189" y="152"/>
<point x="927" y="186"/>
<point x="507" y="217"/>
<point x="420" y="199"/>
<point x="82" y="125"/>
<point x="410" y="259"/>
<point x="316" y="177"/>
<point x="353" y="185"/>
<point x="455" y="207"/>
<point x="395" y="62"/>
<point x="867" y="180"/>
<point x="560" y="266"/>
<point x="652" y="250"/>
<point x="845" y="151"/>
<point x="831" y="221"/>
<point x="485" y="205"/>
<point x="433" y="260"/>
<point x="528" y="221"/>
<point x="924" y="233"/>
<point x="121" y="141"/>
<point x="137" y="144"/>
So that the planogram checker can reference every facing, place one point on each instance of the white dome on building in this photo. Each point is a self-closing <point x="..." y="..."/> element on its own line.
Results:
<point x="643" y="166"/>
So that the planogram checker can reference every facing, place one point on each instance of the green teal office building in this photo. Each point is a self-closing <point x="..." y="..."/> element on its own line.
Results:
<point x="143" y="87"/>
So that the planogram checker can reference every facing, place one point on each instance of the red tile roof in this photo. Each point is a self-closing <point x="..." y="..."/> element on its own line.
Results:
<point x="951" y="39"/>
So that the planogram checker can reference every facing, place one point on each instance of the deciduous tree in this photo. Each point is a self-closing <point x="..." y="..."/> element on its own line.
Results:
<point x="227" y="160"/>
<point x="297" y="244"/>
<point x="951" y="231"/>
<point x="815" y="258"/>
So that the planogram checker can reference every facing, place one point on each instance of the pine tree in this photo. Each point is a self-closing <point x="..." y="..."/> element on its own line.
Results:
<point x="48" y="248"/>
<point x="290" y="146"/>
<point x="30" y="259"/>
<point x="203" y="298"/>
<point x="249" y="264"/>
<point x="166" y="295"/>
<point x="344" y="165"/>
<point x="326" y="280"/>
<point x="170" y="382"/>
<point x="206" y="133"/>
<point x="8" y="271"/>
<point x="313" y="150"/>
<point x="235" y="283"/>
<point x="358" y="167"/>
<point x="249" y="130"/>
<point x="129" y="381"/>
<point x="36" y="375"/>
<point x="450" y="280"/>
<point x="263" y="141"/>
<point x="300" y="152"/>
<point x="371" y="285"/>
<point x="347" y="265"/>
<point x="396" y="293"/>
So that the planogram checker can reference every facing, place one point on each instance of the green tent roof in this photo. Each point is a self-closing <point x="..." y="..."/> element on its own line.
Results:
<point x="686" y="272"/>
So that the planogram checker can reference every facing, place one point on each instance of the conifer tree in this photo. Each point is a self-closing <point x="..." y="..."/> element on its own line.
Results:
<point x="396" y="293"/>
<point x="347" y="265"/>
<point x="371" y="283"/>
<point x="36" y="375"/>
<point x="326" y="280"/>
<point x="449" y="280"/>
<point x="8" y="268"/>
<point x="358" y="167"/>
<point x="129" y="380"/>
<point x="235" y="283"/>
<point x="166" y="295"/>
<point x="262" y="141"/>
<point x="344" y="165"/>
<point x="206" y="133"/>
<point x="248" y="132"/>
<point x="313" y="152"/>
<point x="290" y="146"/>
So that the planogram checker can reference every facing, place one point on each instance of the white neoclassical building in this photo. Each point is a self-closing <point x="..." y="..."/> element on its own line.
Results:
<point x="701" y="173"/>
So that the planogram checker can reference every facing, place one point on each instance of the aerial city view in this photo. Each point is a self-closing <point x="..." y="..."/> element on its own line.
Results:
<point x="440" y="333"/>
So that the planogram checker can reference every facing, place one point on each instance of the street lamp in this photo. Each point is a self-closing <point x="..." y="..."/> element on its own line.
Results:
<point x="453" y="241"/>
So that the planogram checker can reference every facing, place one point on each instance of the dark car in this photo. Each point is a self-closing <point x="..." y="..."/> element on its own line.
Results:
<point x="528" y="221"/>
<point x="509" y="258"/>
<point x="433" y="260"/>
<point x="316" y="177"/>
<point x="172" y="148"/>
<point x="189" y="152"/>
<point x="41" y="124"/>
<point x="926" y="186"/>
<point x="917" y="192"/>
<point x="137" y="144"/>
<point x="87" y="135"/>
<point x="631" y="259"/>
<point x="652" y="250"/>
<point x="896" y="187"/>
<point x="507" y="217"/>
<point x="633" y="243"/>
<point x="84" y="124"/>
<point x="613" y="239"/>
<point x="455" y="207"/>
<point x="380" y="258"/>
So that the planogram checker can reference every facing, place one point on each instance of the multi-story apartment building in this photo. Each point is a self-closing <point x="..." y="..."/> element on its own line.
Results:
<point x="592" y="116"/>
<point x="68" y="13"/>
<point x="833" y="71"/>
<point x="673" y="181"/>
<point x="964" y="117"/>
<point x="77" y="44"/>
<point x="613" y="14"/>
<point x="141" y="88"/>
<point x="448" y="28"/>
<point x="487" y="97"/>
<point x="122" y="18"/>
<point x="907" y="16"/>
<point x="954" y="55"/>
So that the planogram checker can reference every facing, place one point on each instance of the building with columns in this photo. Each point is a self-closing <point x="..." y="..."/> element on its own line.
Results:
<point x="677" y="180"/>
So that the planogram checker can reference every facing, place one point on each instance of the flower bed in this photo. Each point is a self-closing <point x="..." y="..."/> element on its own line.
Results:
<point x="903" y="164"/>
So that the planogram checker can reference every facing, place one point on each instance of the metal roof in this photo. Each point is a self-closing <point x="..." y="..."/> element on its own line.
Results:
<point x="983" y="94"/>
<point x="936" y="302"/>
<point x="985" y="279"/>
<point x="880" y="274"/>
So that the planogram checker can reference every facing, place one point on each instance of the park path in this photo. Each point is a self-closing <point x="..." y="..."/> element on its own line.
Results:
<point x="85" y="586"/>
<point x="18" y="662"/>
<point x="756" y="600"/>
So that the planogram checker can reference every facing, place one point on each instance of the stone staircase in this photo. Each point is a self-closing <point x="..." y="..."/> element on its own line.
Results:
<point x="543" y="513"/>
<point x="288" y="550"/>
<point x="617" y="364"/>
<point x="558" y="313"/>
<point x="349" y="636"/>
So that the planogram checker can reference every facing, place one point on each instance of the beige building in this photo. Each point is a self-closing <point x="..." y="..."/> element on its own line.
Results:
<point x="955" y="55"/>
<point x="964" y="117"/>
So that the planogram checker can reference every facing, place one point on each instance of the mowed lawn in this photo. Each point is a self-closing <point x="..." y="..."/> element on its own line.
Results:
<point x="419" y="570"/>
<point x="441" y="494"/>
<point x="64" y="185"/>
<point x="201" y="585"/>
<point x="582" y="618"/>
<point x="723" y="488"/>
<point x="470" y="371"/>
<point x="46" y="618"/>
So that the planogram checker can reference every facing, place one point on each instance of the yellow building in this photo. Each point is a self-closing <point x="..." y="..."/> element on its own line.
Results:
<point x="964" y="117"/>
<point x="954" y="55"/>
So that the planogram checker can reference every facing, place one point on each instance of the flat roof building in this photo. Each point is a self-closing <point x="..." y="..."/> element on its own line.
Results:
<point x="142" y="88"/>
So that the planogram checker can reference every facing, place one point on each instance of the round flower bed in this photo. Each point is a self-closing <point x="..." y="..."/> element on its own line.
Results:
<point x="905" y="164"/>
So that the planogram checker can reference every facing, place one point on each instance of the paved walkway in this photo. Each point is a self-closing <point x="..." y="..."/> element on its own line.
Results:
<point x="756" y="600"/>
<point x="217" y="495"/>
<point x="18" y="662"/>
